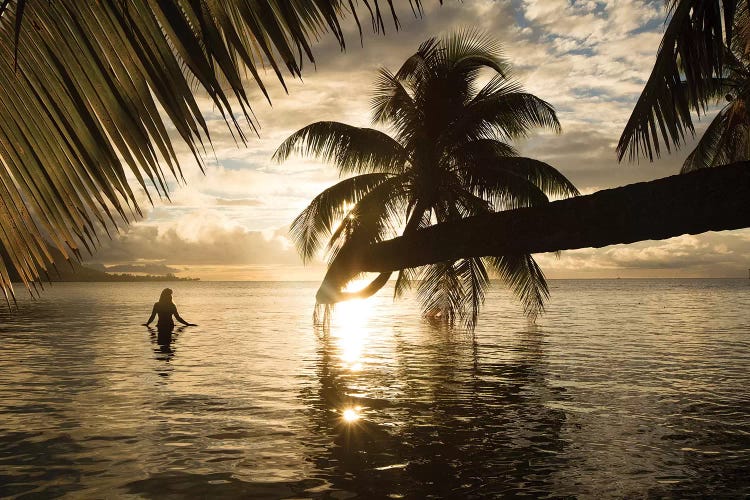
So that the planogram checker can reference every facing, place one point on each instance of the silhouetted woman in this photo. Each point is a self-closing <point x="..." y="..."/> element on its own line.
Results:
<point x="165" y="308"/>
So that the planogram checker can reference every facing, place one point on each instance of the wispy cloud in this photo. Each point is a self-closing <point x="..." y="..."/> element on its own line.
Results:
<point x="589" y="59"/>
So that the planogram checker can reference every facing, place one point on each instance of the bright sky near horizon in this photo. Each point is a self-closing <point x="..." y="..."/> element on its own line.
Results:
<point x="588" y="58"/>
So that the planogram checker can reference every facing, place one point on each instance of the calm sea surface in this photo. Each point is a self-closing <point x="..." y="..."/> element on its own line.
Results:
<point x="624" y="388"/>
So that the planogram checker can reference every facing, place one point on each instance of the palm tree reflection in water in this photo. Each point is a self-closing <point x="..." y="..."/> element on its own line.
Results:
<point x="439" y="418"/>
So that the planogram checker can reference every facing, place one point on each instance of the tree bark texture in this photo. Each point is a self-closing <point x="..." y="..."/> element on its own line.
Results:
<point x="713" y="199"/>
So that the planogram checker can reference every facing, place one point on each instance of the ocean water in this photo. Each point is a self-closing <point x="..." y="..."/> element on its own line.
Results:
<point x="625" y="388"/>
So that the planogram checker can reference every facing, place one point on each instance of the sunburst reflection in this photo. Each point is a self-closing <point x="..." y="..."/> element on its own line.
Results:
<point x="351" y="415"/>
<point x="350" y="321"/>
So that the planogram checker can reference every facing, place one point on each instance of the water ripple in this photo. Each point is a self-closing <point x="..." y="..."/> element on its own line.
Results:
<point x="625" y="388"/>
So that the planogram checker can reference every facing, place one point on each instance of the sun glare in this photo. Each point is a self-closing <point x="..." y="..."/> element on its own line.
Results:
<point x="356" y="285"/>
<point x="351" y="414"/>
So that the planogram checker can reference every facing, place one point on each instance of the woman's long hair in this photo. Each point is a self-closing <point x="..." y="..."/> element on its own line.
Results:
<point x="166" y="296"/>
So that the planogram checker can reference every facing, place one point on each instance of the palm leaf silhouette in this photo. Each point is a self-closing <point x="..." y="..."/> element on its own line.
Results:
<point x="89" y="92"/>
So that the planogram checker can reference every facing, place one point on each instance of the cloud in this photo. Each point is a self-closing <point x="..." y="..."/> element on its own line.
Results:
<point x="199" y="242"/>
<point x="713" y="254"/>
<point x="242" y="202"/>
<point x="590" y="59"/>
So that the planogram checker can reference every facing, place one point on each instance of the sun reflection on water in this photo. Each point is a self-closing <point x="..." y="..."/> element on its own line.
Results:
<point x="351" y="415"/>
<point x="350" y="331"/>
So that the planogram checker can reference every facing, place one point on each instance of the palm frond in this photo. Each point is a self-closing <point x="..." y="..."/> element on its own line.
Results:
<point x="316" y="221"/>
<point x="88" y="91"/>
<point x="480" y="149"/>
<point x="501" y="109"/>
<point x="475" y="281"/>
<point x="372" y="218"/>
<point x="453" y="291"/>
<point x="404" y="281"/>
<point x="468" y="50"/>
<point x="440" y="293"/>
<point x="506" y="189"/>
<point x="351" y="149"/>
<point x="541" y="174"/>
<point x="707" y="152"/>
<point x="524" y="277"/>
<point x="417" y="66"/>
<point x="459" y="202"/>
<point x="689" y="61"/>
<point x="393" y="105"/>
<point x="479" y="153"/>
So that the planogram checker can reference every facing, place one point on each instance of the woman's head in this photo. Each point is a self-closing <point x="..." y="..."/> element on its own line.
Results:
<point x="166" y="295"/>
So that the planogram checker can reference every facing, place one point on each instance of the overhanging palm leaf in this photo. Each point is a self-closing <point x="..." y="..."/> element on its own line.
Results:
<point x="88" y="89"/>
<point x="441" y="292"/>
<point x="373" y="218"/>
<point x="404" y="280"/>
<point x="351" y="149"/>
<point x="525" y="279"/>
<point x="502" y="109"/>
<point x="690" y="57"/>
<point x="708" y="152"/>
<point x="475" y="281"/>
<point x="453" y="291"/>
<point x="315" y="222"/>
<point x="478" y="163"/>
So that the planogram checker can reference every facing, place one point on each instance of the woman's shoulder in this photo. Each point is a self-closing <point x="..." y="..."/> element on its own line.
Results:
<point x="165" y="307"/>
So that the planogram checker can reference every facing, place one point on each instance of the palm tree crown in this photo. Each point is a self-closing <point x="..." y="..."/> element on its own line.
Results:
<point x="448" y="158"/>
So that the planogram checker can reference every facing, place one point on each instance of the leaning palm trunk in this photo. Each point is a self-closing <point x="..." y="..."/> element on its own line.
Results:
<point x="716" y="199"/>
<point x="89" y="91"/>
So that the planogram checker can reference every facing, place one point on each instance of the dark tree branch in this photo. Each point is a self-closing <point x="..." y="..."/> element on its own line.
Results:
<point x="713" y="199"/>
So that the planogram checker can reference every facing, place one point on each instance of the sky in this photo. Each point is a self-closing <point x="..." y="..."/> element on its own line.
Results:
<point x="589" y="59"/>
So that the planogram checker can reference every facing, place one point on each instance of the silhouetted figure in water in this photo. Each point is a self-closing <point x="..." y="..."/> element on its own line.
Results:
<point x="165" y="308"/>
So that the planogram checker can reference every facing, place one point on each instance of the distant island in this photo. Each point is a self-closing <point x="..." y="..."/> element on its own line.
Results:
<point x="64" y="270"/>
<point x="99" y="276"/>
<point x="77" y="272"/>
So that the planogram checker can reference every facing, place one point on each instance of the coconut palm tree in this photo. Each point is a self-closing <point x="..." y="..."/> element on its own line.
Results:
<point x="97" y="97"/>
<point x="703" y="57"/>
<point x="449" y="158"/>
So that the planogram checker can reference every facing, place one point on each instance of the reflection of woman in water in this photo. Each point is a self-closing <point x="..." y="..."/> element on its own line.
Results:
<point x="165" y="308"/>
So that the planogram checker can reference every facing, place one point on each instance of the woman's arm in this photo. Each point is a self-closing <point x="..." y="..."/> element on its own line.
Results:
<point x="151" y="318"/>
<point x="177" y="316"/>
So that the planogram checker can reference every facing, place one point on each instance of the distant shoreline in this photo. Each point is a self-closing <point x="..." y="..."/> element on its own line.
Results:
<point x="114" y="278"/>
<point x="157" y="278"/>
